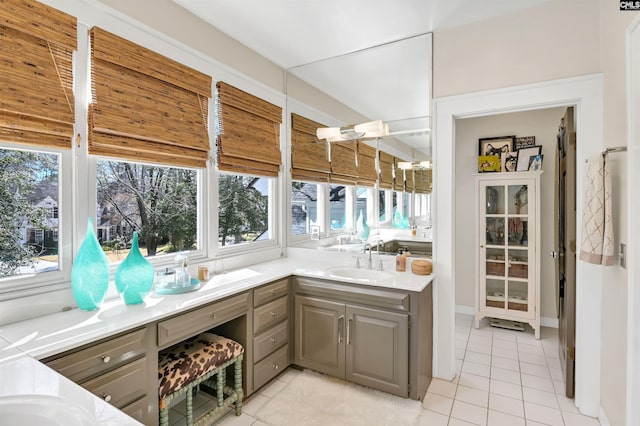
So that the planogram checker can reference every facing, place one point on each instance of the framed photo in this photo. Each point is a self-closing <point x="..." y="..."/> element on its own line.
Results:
<point x="535" y="163"/>
<point x="488" y="163"/>
<point x="524" y="142"/>
<point x="496" y="146"/>
<point x="524" y="154"/>
<point x="508" y="161"/>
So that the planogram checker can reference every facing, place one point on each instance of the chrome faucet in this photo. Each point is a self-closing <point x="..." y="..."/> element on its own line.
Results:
<point x="364" y="250"/>
<point x="379" y="244"/>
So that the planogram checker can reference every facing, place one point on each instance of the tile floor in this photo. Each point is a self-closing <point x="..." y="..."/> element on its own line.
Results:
<point x="505" y="378"/>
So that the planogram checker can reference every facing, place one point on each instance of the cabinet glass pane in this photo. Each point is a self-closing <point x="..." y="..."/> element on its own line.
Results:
<point x="518" y="229"/>
<point x="495" y="264"/>
<point x="518" y="296"/>
<point x="518" y="263"/>
<point x="518" y="199"/>
<point x="495" y="199"/>
<point x="496" y="294"/>
<point x="495" y="231"/>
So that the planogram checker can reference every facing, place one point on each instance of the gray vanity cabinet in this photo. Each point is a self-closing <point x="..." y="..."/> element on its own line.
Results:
<point x="338" y="334"/>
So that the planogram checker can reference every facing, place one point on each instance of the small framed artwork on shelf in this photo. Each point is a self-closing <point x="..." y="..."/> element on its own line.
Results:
<point x="524" y="155"/>
<point x="496" y="145"/>
<point x="524" y="142"/>
<point x="508" y="161"/>
<point x="488" y="163"/>
<point x="535" y="163"/>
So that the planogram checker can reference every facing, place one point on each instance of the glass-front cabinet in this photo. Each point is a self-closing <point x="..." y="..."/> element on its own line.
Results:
<point x="508" y="248"/>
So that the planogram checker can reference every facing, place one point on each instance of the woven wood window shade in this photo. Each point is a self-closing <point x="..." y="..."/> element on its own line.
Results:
<point x="249" y="138"/>
<point x="36" y="83"/>
<point x="146" y="107"/>
<point x="409" y="184"/>
<point x="386" y="170"/>
<point x="398" y="180"/>
<point x="367" y="174"/>
<point x="309" y="160"/>
<point x="343" y="163"/>
<point x="423" y="181"/>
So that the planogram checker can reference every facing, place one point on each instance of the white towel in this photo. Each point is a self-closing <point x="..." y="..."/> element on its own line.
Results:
<point x="597" y="228"/>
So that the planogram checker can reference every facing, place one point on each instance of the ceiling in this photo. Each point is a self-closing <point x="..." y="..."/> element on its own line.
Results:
<point x="367" y="54"/>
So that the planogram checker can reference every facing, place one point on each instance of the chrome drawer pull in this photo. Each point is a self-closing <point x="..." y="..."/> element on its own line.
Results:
<point x="273" y="340"/>
<point x="106" y="359"/>
<point x="274" y="292"/>
<point x="275" y="366"/>
<point x="273" y="314"/>
<point x="212" y="315"/>
<point x="106" y="397"/>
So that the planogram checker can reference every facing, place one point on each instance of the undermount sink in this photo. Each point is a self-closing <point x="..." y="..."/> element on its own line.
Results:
<point x="43" y="410"/>
<point x="363" y="275"/>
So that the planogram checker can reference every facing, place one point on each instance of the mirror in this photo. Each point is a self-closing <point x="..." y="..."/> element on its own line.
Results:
<point x="390" y="82"/>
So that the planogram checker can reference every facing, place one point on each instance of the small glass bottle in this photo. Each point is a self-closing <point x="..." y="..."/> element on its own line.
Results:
<point x="183" y="279"/>
<point x="401" y="261"/>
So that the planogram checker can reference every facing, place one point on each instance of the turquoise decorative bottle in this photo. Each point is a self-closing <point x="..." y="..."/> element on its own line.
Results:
<point x="362" y="227"/>
<point x="134" y="276"/>
<point x="90" y="273"/>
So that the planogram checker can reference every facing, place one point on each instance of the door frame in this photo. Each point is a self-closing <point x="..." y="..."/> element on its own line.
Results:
<point x="585" y="93"/>
<point x="633" y="254"/>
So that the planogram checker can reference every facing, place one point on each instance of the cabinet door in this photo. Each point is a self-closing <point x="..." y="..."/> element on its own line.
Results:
<point x="377" y="349"/>
<point x="319" y="335"/>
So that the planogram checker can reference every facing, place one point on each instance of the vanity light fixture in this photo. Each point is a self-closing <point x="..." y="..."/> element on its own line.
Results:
<point x="415" y="165"/>
<point x="371" y="129"/>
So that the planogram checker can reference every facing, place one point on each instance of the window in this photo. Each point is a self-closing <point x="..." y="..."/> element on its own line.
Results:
<point x="337" y="207"/>
<point x="304" y="207"/>
<point x="365" y="204"/>
<point x="158" y="202"/>
<point x="29" y="189"/>
<point x="243" y="211"/>
<point x="382" y="206"/>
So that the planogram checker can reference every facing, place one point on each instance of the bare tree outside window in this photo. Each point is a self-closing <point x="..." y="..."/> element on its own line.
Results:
<point x="243" y="212"/>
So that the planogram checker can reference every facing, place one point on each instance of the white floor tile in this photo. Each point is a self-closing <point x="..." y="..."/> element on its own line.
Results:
<point x="259" y="423"/>
<point x="496" y="418"/>
<point x="459" y="365"/>
<point x="458" y="422"/>
<point x="233" y="420"/>
<point x="506" y="405"/>
<point x="478" y="358"/>
<point x="540" y="383"/>
<point x="558" y="386"/>
<point x="475" y="368"/>
<point x="542" y="414"/>
<point x="553" y="363"/>
<point x="535" y="349"/>
<point x="472" y="396"/>
<point x="431" y="418"/>
<point x="504" y="335"/>
<point x="480" y="339"/>
<point x="289" y="375"/>
<point x="505" y="353"/>
<point x="532" y="358"/>
<point x="460" y="353"/>
<point x="442" y="388"/>
<point x="461" y="344"/>
<point x="571" y="419"/>
<point x="505" y="375"/>
<point x="481" y="348"/>
<point x="437" y="403"/>
<point x="505" y="344"/>
<point x="505" y="389"/>
<point x="474" y="381"/>
<point x="548" y="399"/>
<point x="469" y="413"/>
<point x="567" y="405"/>
<point x="255" y="403"/>
<point x="535" y="370"/>
<point x="273" y="388"/>
<point x="556" y="373"/>
<point x="505" y="363"/>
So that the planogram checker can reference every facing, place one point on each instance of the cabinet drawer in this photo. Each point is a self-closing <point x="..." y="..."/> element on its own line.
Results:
<point x="121" y="386"/>
<point x="270" y="292"/>
<point x="85" y="363"/>
<point x="269" y="314"/>
<point x="182" y="327"/>
<point x="138" y="410"/>
<point x="270" y="367"/>
<point x="270" y="340"/>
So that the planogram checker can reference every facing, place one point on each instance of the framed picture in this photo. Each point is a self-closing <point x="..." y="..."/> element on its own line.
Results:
<point x="535" y="163"/>
<point x="488" y="163"/>
<point x="496" y="146"/>
<point x="524" y="154"/>
<point x="524" y="142"/>
<point x="508" y="161"/>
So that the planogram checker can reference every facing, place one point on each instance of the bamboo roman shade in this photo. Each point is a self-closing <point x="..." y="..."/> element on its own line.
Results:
<point x="367" y="174"/>
<point x="423" y="181"/>
<point x="398" y="181"/>
<point x="386" y="170"/>
<point x="309" y="155"/>
<point x="249" y="133"/>
<point x="343" y="163"/>
<point x="146" y="107"/>
<point x="409" y="184"/>
<point x="36" y="82"/>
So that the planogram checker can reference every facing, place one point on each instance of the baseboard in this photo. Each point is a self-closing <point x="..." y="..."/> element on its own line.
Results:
<point x="602" y="417"/>
<point x="470" y="310"/>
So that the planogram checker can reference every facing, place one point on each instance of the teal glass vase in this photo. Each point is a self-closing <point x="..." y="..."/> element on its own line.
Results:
<point x="362" y="227"/>
<point x="134" y="276"/>
<point x="90" y="273"/>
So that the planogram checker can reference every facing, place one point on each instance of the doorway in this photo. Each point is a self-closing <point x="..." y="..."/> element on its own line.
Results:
<point x="586" y="94"/>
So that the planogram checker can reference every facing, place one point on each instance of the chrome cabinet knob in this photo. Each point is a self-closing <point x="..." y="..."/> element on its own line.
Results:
<point x="105" y="397"/>
<point x="106" y="359"/>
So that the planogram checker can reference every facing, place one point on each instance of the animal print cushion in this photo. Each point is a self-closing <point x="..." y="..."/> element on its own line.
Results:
<point x="186" y="361"/>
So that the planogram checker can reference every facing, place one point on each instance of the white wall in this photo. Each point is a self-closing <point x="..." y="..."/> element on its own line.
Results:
<point x="543" y="124"/>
